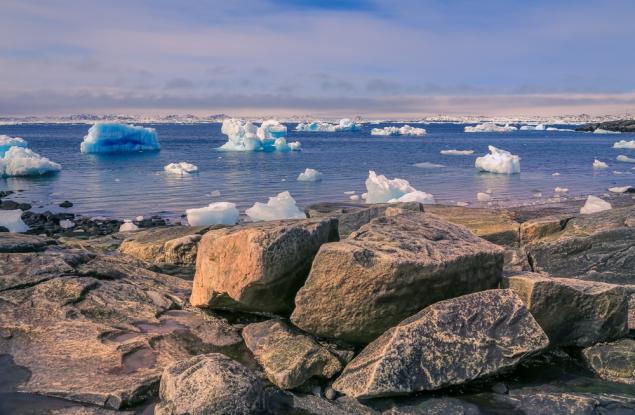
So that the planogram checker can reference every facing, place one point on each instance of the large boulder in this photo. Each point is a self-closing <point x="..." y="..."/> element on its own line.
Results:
<point x="390" y="269"/>
<point x="289" y="358"/>
<point x="258" y="267"/>
<point x="597" y="247"/>
<point x="209" y="384"/>
<point x="17" y="242"/>
<point x="614" y="361"/>
<point x="448" y="343"/>
<point x="573" y="312"/>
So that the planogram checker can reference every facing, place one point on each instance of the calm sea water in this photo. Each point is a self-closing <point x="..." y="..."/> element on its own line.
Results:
<point x="134" y="184"/>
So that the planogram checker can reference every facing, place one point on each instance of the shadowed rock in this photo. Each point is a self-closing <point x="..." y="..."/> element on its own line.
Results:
<point x="614" y="361"/>
<point x="16" y="242"/>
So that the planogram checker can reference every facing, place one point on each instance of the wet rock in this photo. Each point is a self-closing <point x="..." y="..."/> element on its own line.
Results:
<point x="24" y="206"/>
<point x="573" y="312"/>
<point x="66" y="204"/>
<point x="289" y="358"/>
<point x="4" y="229"/>
<point x="614" y="361"/>
<point x="448" y="343"/>
<point x="209" y="384"/>
<point x="5" y="193"/>
<point x="388" y="270"/>
<point x="625" y="126"/>
<point x="9" y="205"/>
<point x="15" y="242"/>
<point x="258" y="267"/>
<point x="296" y="403"/>
<point x="435" y="406"/>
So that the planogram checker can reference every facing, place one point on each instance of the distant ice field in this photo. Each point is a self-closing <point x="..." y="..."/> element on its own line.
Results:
<point x="127" y="185"/>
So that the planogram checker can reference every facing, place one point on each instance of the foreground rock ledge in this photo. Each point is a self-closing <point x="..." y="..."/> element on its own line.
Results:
<point x="448" y="343"/>
<point x="388" y="270"/>
<point x="614" y="361"/>
<point x="258" y="267"/>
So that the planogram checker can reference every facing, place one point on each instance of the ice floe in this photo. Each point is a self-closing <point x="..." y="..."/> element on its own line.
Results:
<point x="282" y="206"/>
<point x="403" y="130"/>
<point x="594" y="204"/>
<point x="381" y="190"/>
<point x="215" y="193"/>
<point x="128" y="226"/>
<point x="625" y="159"/>
<point x="119" y="138"/>
<point x="559" y="129"/>
<point x="457" y="152"/>
<point x="498" y="161"/>
<point x="345" y="124"/>
<point x="623" y="189"/>
<point x="489" y="127"/>
<point x="310" y="175"/>
<point x="555" y="174"/>
<point x="21" y="161"/>
<point x="625" y="144"/>
<point x="245" y="136"/>
<point x="12" y="220"/>
<point x="603" y="131"/>
<point x="483" y="197"/>
<point x="599" y="165"/>
<point x="219" y="213"/>
<point x="182" y="168"/>
<point x="538" y="127"/>
<point x="7" y="142"/>
<point x="561" y="190"/>
<point x="428" y="165"/>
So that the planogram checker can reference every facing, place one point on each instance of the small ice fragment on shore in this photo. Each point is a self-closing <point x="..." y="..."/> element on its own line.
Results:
<point x="354" y="198"/>
<point x="489" y="127"/>
<point x="21" y="161"/>
<point x="625" y="159"/>
<point x="66" y="224"/>
<point x="483" y="197"/>
<point x="12" y="220"/>
<point x="603" y="131"/>
<point x="428" y="165"/>
<point x="117" y="138"/>
<point x="278" y="207"/>
<point x="310" y="175"/>
<point x="457" y="152"/>
<point x="622" y="189"/>
<point x="139" y="218"/>
<point x="625" y="144"/>
<point x="404" y="130"/>
<point x="181" y="169"/>
<point x="498" y="161"/>
<point x="219" y="213"/>
<point x="416" y="196"/>
<point x="128" y="226"/>
<point x="215" y="193"/>
<point x="536" y="193"/>
<point x="350" y="192"/>
<point x="463" y="204"/>
<point x="597" y="164"/>
<point x="555" y="174"/>
<point x="561" y="190"/>
<point x="594" y="204"/>
<point x="7" y="142"/>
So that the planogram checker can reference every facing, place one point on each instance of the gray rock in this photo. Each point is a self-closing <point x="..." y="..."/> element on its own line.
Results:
<point x="435" y="406"/>
<point x="573" y="312"/>
<point x="614" y="361"/>
<point x="209" y="384"/>
<point x="388" y="270"/>
<point x="16" y="242"/>
<point x="448" y="343"/>
<point x="625" y="126"/>
<point x="289" y="358"/>
<point x="541" y="403"/>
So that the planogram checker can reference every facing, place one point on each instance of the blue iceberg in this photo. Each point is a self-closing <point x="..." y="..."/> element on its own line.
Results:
<point x="7" y="142"/>
<point x="119" y="138"/>
<point x="245" y="136"/>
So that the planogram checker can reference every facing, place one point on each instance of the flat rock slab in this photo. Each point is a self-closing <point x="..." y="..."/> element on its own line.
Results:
<point x="448" y="343"/>
<point x="289" y="358"/>
<point x="573" y="312"/>
<point x="17" y="242"/>
<point x="614" y="361"/>
<point x="258" y="267"/>
<point x="390" y="269"/>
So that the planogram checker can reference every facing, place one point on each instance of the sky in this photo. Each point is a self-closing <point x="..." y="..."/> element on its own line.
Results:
<point x="286" y="57"/>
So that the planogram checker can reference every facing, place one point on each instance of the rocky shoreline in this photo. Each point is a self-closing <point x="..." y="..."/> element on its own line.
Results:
<point x="358" y="309"/>
<point x="623" y="126"/>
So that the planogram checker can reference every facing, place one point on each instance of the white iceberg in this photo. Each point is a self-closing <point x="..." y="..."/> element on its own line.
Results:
<point x="219" y="213"/>
<point x="404" y="130"/>
<point x="625" y="159"/>
<point x="128" y="226"/>
<point x="7" y="142"/>
<point x="625" y="144"/>
<point x="561" y="190"/>
<point x="498" y="161"/>
<point x="245" y="136"/>
<point x="20" y="161"/>
<point x="428" y="165"/>
<point x="416" y="196"/>
<point x="310" y="175"/>
<point x="594" y="204"/>
<point x="344" y="124"/>
<point x="354" y="198"/>
<point x="538" y="127"/>
<point x="603" y="131"/>
<point x="622" y="189"/>
<point x="278" y="207"/>
<point x="382" y="190"/>
<point x="182" y="168"/>
<point x="483" y="197"/>
<point x="598" y="165"/>
<point x="271" y="130"/>
<point x="555" y="174"/>
<point x="489" y="127"/>
<point x="559" y="129"/>
<point x="12" y="220"/>
<point x="457" y="152"/>
<point x="119" y="138"/>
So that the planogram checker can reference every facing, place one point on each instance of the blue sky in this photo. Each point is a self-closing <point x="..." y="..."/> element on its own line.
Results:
<point x="317" y="57"/>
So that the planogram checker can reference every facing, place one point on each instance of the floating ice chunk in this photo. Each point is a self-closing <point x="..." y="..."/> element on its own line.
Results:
<point x="598" y="165"/>
<point x="561" y="190"/>
<point x="537" y="194"/>
<point x="182" y="168"/>
<point x="538" y="127"/>
<point x="404" y="130"/>
<point x="462" y="204"/>
<point x="128" y="226"/>
<point x="139" y="218"/>
<point x="271" y="129"/>
<point x="344" y="124"/>
<point x="416" y="196"/>
<point x="555" y="174"/>
<point x="622" y="173"/>
<point x="310" y="175"/>
<point x="349" y="192"/>
<point x="12" y="220"/>
<point x="20" y="161"/>
<point x="623" y="189"/>
<point x="489" y="127"/>
<point x="215" y="193"/>
<point x="625" y="159"/>
<point x="347" y="124"/>
<point x="118" y="138"/>
<point x="558" y="129"/>
<point x="381" y="190"/>
<point x="245" y="136"/>
<point x="603" y="131"/>
<point x="498" y="161"/>
<point x="67" y="224"/>
<point x="295" y="146"/>
<point x="457" y="152"/>
<point x="7" y="142"/>
<point x="594" y="204"/>
<point x="354" y="198"/>
<point x="219" y="213"/>
<point x="278" y="207"/>
<point x="625" y="144"/>
<point x="428" y="165"/>
<point x="483" y="197"/>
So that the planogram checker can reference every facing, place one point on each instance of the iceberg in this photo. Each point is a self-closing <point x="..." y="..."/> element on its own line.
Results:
<point x="404" y="130"/>
<point x="594" y="204"/>
<point x="498" y="161"/>
<point x="416" y="196"/>
<point x="219" y="213"/>
<point x="310" y="175"/>
<point x="21" y="161"/>
<point x="483" y="197"/>
<point x="382" y="190"/>
<point x="245" y="136"/>
<point x="603" y="131"/>
<point x="625" y="159"/>
<point x="128" y="226"/>
<point x="559" y="129"/>
<point x="561" y="190"/>
<point x="428" y="165"/>
<point x="271" y="130"/>
<point x="598" y="165"/>
<point x="623" y="189"/>
<point x="489" y="127"/>
<point x="539" y="127"/>
<point x="7" y="142"/>
<point x="625" y="144"/>
<point x="354" y="198"/>
<point x="344" y="124"/>
<point x="457" y="152"/>
<point x="182" y="168"/>
<point x="119" y="138"/>
<point x="278" y="207"/>
<point x="12" y="220"/>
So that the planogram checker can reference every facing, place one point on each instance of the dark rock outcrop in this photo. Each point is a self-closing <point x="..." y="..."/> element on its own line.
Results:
<point x="624" y="126"/>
